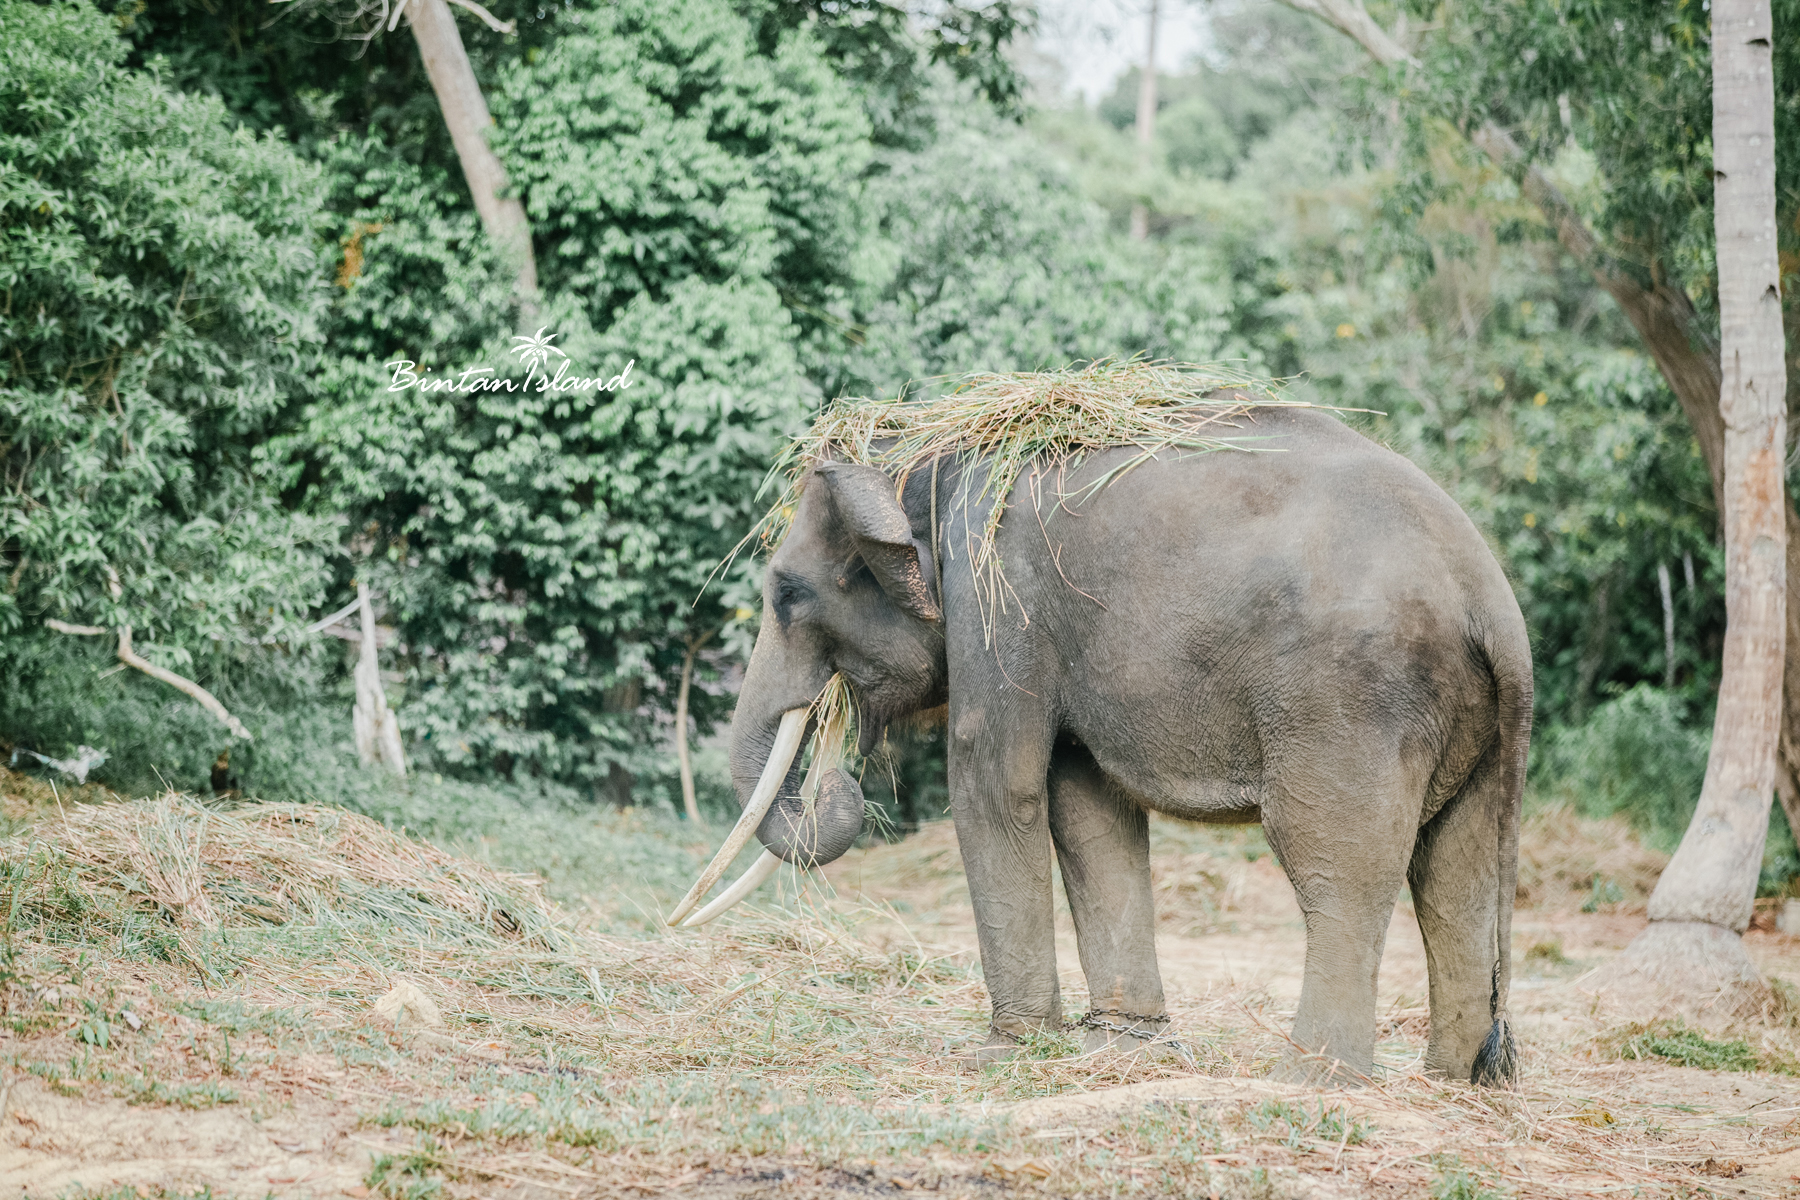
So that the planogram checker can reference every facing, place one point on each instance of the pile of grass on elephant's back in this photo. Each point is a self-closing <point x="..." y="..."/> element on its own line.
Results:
<point x="1044" y="418"/>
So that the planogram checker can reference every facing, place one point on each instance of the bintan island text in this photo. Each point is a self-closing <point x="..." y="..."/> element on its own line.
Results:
<point x="482" y="379"/>
<point x="534" y="352"/>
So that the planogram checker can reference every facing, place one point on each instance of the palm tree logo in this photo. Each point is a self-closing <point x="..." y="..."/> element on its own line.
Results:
<point x="535" y="349"/>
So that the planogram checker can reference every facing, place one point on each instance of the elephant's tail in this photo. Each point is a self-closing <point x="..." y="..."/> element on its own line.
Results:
<point x="1497" y="1062"/>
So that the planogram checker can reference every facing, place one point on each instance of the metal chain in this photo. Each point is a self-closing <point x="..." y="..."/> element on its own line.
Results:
<point x="1121" y="1013"/>
<point x="1096" y="1019"/>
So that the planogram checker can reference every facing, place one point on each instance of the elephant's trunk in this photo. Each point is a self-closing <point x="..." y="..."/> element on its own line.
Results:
<point x="807" y="821"/>
<point x="814" y="819"/>
<point x="816" y="825"/>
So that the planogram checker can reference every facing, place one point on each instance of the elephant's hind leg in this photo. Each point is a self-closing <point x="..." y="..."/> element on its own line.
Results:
<point x="1103" y="847"/>
<point x="1345" y="851"/>
<point x="1455" y="878"/>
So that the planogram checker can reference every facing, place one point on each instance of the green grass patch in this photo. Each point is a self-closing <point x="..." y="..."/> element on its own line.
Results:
<point x="406" y="1176"/>
<point x="1452" y="1181"/>
<point x="1547" y="954"/>
<point x="1296" y="1126"/>
<point x="1674" y="1042"/>
<point x="184" y="1095"/>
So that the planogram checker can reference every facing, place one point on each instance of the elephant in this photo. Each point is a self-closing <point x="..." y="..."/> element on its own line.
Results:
<point x="1311" y="635"/>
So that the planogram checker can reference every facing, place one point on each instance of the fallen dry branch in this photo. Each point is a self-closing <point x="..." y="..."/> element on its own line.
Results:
<point x="206" y="699"/>
<point x="131" y="658"/>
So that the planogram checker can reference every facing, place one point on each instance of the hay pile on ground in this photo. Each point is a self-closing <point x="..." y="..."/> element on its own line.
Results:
<point x="167" y="876"/>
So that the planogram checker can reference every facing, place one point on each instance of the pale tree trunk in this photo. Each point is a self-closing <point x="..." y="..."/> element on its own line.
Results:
<point x="1666" y="591"/>
<point x="376" y="728"/>
<point x="466" y="113"/>
<point x="689" y="803"/>
<point x="1712" y="879"/>
<point x="1664" y="318"/>
<point x="1146" y="125"/>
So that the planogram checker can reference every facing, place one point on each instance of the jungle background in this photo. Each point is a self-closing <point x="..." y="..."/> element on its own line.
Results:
<point x="223" y="217"/>
<point x="250" y="965"/>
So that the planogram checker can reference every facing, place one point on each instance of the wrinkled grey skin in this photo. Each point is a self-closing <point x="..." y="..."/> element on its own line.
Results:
<point x="1316" y="639"/>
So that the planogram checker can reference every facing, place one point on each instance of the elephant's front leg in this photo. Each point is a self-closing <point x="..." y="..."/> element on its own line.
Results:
<point x="999" y="764"/>
<point x="1103" y="843"/>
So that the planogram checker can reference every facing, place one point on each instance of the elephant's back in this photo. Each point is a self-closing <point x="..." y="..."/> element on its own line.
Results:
<point x="1306" y="503"/>
<point x="1233" y="602"/>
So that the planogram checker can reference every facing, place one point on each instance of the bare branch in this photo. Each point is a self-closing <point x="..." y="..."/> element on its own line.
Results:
<point x="334" y="618"/>
<point x="384" y="634"/>
<point x="206" y="699"/>
<point x="1350" y="18"/>
<point x="494" y="23"/>
<point x="131" y="659"/>
<point x="82" y="630"/>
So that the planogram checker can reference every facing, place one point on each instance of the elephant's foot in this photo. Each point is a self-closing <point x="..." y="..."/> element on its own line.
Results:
<point x="1320" y="1070"/>
<point x="1129" y="1033"/>
<point x="999" y="1047"/>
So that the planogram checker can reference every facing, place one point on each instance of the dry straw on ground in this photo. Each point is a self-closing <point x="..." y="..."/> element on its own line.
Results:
<point x="817" y="1039"/>
<point x="107" y="873"/>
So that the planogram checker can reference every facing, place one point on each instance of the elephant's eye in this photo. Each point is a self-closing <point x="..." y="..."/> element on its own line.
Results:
<point x="790" y="593"/>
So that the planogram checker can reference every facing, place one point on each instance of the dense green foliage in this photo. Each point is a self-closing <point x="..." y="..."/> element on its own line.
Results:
<point x="227" y="228"/>
<point x="541" y="552"/>
<point x="162" y="305"/>
<point x="1629" y="83"/>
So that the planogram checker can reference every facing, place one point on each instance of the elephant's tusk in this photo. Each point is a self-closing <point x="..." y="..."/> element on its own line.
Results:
<point x="787" y="745"/>
<point x="828" y="752"/>
<point x="746" y="883"/>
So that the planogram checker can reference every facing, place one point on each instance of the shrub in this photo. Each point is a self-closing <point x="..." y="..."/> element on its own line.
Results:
<point x="1636" y="755"/>
<point x="161" y="306"/>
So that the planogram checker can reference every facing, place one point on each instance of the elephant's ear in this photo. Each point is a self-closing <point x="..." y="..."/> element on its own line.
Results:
<point x="865" y="502"/>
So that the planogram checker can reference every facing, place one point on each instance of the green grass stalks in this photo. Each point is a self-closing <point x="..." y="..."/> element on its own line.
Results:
<point x="1672" y="1041"/>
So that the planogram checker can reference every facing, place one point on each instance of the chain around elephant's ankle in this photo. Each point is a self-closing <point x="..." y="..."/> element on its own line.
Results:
<point x="1096" y="1018"/>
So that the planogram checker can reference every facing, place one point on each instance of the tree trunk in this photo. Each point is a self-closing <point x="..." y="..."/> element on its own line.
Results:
<point x="1712" y="878"/>
<point x="466" y="113"/>
<point x="376" y="728"/>
<point x="1666" y="591"/>
<point x="688" y="802"/>
<point x="1665" y="320"/>
<point x="1146" y="125"/>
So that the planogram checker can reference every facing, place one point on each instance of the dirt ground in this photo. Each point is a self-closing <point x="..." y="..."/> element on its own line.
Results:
<point x="815" y="1051"/>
